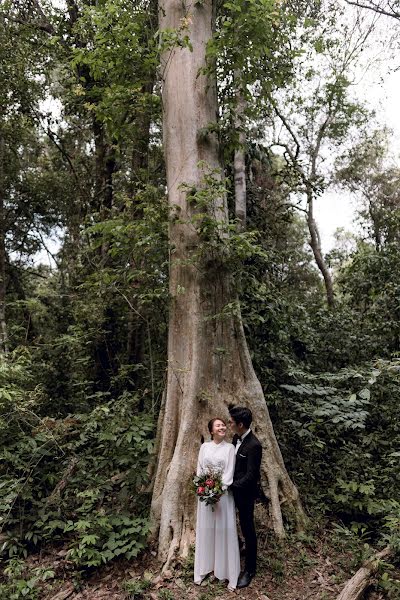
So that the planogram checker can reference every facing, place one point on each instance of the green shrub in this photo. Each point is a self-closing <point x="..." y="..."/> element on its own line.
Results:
<point x="80" y="480"/>
<point x="346" y="432"/>
<point x="136" y="587"/>
<point x="21" y="583"/>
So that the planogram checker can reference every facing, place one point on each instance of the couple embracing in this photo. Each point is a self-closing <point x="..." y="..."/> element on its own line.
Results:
<point x="217" y="543"/>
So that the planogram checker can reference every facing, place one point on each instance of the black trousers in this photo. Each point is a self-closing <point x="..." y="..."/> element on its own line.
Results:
<point x="246" y="519"/>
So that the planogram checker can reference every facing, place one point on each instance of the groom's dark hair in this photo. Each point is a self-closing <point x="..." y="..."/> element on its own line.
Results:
<point x="241" y="414"/>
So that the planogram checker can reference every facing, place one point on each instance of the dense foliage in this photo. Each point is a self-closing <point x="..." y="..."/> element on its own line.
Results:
<point x="82" y="364"/>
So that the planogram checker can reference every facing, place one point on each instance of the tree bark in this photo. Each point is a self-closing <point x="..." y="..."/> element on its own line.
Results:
<point x="239" y="165"/>
<point x="356" y="586"/>
<point x="209" y="364"/>
<point x="239" y="162"/>
<point x="3" y="323"/>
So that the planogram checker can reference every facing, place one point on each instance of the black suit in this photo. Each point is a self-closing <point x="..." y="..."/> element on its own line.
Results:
<point x="244" y="488"/>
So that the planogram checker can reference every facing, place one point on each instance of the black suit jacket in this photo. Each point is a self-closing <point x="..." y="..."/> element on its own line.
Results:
<point x="247" y="468"/>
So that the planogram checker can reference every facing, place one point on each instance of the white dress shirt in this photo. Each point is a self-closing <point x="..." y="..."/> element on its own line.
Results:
<point x="240" y="440"/>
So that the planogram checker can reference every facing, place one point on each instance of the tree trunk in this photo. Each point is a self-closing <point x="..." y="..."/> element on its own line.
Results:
<point x="356" y="586"/>
<point x="209" y="365"/>
<point x="239" y="162"/>
<point x="140" y="164"/>
<point x="315" y="243"/>
<point x="104" y="171"/>
<point x="239" y="165"/>
<point x="3" y="323"/>
<point x="140" y="153"/>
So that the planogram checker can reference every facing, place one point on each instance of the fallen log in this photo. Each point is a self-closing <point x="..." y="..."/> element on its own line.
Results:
<point x="356" y="586"/>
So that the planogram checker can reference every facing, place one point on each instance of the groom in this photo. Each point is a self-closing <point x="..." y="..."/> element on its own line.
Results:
<point x="244" y="486"/>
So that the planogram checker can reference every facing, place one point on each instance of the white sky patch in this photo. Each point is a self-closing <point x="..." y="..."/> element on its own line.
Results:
<point x="332" y="211"/>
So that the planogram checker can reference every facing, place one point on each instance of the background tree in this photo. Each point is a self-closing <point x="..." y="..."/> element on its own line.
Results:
<point x="22" y="87"/>
<point x="318" y="115"/>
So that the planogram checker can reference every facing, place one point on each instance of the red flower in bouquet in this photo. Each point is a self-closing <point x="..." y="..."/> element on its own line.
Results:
<point x="208" y="487"/>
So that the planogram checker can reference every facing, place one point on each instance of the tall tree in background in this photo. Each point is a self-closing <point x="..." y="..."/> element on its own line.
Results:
<point x="318" y="114"/>
<point x="368" y="171"/>
<point x="3" y="324"/>
<point x="21" y="88"/>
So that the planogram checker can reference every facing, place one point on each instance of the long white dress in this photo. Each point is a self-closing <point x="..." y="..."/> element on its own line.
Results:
<point x="217" y="546"/>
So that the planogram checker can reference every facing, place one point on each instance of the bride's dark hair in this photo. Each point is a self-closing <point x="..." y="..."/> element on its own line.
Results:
<point x="211" y="424"/>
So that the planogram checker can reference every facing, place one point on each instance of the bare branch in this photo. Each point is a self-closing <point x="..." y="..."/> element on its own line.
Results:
<point x="289" y="129"/>
<point x="375" y="8"/>
<point x="44" y="26"/>
<point x="30" y="14"/>
<point x="53" y="137"/>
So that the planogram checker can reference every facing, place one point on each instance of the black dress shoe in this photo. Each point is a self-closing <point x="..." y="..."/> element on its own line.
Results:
<point x="244" y="579"/>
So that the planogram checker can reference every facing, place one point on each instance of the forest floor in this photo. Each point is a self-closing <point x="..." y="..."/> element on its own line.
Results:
<point x="308" y="567"/>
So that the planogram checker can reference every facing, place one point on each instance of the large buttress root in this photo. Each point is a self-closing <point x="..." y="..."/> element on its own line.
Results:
<point x="203" y="387"/>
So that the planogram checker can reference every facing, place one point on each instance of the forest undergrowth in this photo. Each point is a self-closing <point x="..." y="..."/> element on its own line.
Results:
<point x="314" y="565"/>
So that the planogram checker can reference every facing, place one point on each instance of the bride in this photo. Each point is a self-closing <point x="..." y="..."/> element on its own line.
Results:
<point x="217" y="546"/>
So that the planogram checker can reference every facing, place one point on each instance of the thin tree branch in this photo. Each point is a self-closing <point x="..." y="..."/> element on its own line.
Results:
<point x="52" y="136"/>
<point x="289" y="129"/>
<point x="375" y="8"/>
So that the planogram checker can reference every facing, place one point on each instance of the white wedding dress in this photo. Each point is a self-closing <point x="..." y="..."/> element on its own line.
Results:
<point x="217" y="546"/>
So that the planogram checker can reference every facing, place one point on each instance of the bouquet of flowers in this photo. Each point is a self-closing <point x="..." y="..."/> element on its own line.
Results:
<point x="208" y="487"/>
